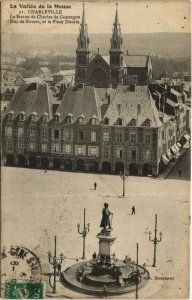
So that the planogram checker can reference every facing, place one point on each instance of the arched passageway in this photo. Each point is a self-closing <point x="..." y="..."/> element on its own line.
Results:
<point x="106" y="167"/>
<point x="80" y="165"/>
<point x="10" y="160"/>
<point x="133" y="169"/>
<point x="21" y="160"/>
<point x="32" y="162"/>
<point x="119" y="168"/>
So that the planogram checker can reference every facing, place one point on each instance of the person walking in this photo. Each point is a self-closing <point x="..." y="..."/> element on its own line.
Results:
<point x="95" y="185"/>
<point x="59" y="269"/>
<point x="179" y="172"/>
<point x="133" y="210"/>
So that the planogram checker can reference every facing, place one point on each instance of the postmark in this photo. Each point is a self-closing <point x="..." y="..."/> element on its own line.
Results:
<point x="21" y="273"/>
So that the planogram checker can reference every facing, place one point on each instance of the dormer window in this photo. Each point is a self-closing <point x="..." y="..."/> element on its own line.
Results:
<point x="57" y="118"/>
<point x="120" y="121"/>
<point x="45" y="117"/>
<point x="106" y="121"/>
<point x="147" y="122"/>
<point x="33" y="117"/>
<point x="69" y="118"/>
<point x="10" y="115"/>
<point x="93" y="121"/>
<point x="21" y="116"/>
<point x="81" y="119"/>
<point x="133" y="122"/>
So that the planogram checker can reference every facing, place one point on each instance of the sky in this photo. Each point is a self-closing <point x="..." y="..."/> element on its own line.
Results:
<point x="135" y="16"/>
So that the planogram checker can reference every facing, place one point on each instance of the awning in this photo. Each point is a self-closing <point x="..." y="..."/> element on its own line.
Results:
<point x="187" y="137"/>
<point x="173" y="150"/>
<point x="176" y="147"/>
<point x="179" y="145"/>
<point x="165" y="159"/>
<point x="169" y="155"/>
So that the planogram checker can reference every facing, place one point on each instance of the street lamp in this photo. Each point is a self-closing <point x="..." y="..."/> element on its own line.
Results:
<point x="84" y="233"/>
<point x="124" y="176"/>
<point x="155" y="241"/>
<point x="55" y="262"/>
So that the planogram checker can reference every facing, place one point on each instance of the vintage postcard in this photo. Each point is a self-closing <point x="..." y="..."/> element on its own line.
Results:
<point x="95" y="156"/>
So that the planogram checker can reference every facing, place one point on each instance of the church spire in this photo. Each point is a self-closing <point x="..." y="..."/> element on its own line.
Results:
<point x="83" y="39"/>
<point x="116" y="16"/>
<point x="116" y="40"/>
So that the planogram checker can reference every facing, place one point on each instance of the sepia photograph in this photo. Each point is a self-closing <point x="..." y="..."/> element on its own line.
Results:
<point x="95" y="149"/>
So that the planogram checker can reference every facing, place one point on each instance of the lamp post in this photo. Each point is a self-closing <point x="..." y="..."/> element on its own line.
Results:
<point x="137" y="271"/>
<point x="55" y="261"/>
<point x="155" y="241"/>
<point x="124" y="176"/>
<point x="84" y="233"/>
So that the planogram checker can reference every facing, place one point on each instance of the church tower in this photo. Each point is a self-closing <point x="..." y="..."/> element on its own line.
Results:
<point x="82" y="52"/>
<point x="116" y="52"/>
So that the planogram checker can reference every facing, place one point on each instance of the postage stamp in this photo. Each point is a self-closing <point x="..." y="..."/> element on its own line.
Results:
<point x="21" y="273"/>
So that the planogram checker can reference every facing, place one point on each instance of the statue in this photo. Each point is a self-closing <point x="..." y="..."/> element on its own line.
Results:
<point x="106" y="217"/>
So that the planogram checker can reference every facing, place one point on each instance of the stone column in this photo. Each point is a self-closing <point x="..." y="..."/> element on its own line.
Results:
<point x="50" y="163"/>
<point x="140" y="169"/>
<point x="155" y="170"/>
<point x="105" y="243"/>
<point x="74" y="165"/>
<point x="38" y="162"/>
<point x="62" y="164"/>
<point x="15" y="160"/>
<point x="86" y="165"/>
<point x="27" y="161"/>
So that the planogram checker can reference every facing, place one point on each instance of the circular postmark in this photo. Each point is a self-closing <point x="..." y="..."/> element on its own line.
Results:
<point x="20" y="272"/>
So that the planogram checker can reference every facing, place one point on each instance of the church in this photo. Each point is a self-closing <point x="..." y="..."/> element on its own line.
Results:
<point x="109" y="71"/>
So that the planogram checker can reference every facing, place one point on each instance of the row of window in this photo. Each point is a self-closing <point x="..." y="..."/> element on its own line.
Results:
<point x="68" y="135"/>
<point x="130" y="154"/>
<point x="82" y="150"/>
<point x="132" y="137"/>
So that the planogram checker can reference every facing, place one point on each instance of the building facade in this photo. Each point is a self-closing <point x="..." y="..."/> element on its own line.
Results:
<point x="112" y="120"/>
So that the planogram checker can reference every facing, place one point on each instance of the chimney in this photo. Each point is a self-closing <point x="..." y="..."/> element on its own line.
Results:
<point x="169" y="91"/>
<point x="138" y="109"/>
<point x="109" y="99"/>
<point x="119" y="108"/>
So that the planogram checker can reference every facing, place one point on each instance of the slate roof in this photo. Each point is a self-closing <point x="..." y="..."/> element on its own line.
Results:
<point x="45" y="70"/>
<point x="82" y="101"/>
<point x="136" y="61"/>
<point x="30" y="98"/>
<point x="65" y="73"/>
<point x="106" y="58"/>
<point x="64" y="81"/>
<point x="33" y="79"/>
<point x="124" y="104"/>
<point x="174" y="92"/>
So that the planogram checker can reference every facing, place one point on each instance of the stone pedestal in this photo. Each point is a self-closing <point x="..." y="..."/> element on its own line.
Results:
<point x="105" y="243"/>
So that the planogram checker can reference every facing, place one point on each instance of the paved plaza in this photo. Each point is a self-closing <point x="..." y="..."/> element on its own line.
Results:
<point x="36" y="206"/>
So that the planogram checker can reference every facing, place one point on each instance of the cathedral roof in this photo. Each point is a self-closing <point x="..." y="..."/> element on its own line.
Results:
<point x="125" y="105"/>
<point x="32" y="97"/>
<point x="136" y="61"/>
<point x="78" y="101"/>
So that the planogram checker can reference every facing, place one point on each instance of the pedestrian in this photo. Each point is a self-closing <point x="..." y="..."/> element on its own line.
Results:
<point x="94" y="255"/>
<point x="95" y="185"/>
<point x="45" y="171"/>
<point x="133" y="210"/>
<point x="59" y="268"/>
<point x="179" y="172"/>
